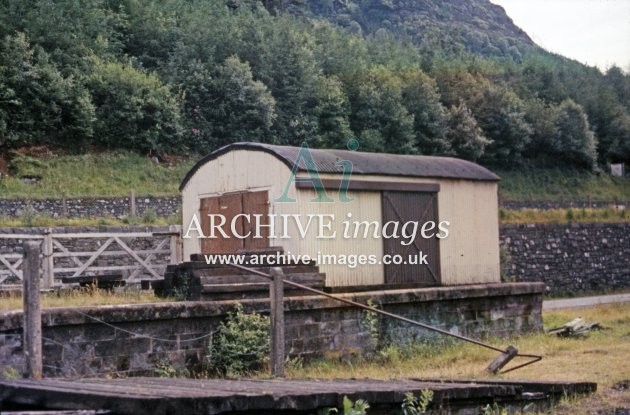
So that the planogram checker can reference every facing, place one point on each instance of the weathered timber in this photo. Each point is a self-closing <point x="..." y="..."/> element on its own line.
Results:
<point x="227" y="271"/>
<point x="78" y="412"/>
<point x="32" y="311"/>
<point x="531" y="386"/>
<point x="271" y="250"/>
<point x="503" y="359"/>
<point x="66" y="253"/>
<point x="106" y="281"/>
<point x="276" y="299"/>
<point x="197" y="280"/>
<point x="574" y="328"/>
<point x="302" y="278"/>
<point x="161" y="396"/>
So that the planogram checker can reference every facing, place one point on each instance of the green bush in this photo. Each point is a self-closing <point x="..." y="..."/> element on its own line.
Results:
<point x="134" y="109"/>
<point x="241" y="343"/>
<point x="149" y="216"/>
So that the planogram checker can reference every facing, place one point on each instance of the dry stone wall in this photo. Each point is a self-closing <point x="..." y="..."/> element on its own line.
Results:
<point x="134" y="339"/>
<point x="570" y="259"/>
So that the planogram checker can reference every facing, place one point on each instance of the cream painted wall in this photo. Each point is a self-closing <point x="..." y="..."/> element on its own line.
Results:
<point x="470" y="254"/>
<point x="235" y="171"/>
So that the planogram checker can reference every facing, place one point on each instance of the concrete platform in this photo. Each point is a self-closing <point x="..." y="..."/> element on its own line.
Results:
<point x="583" y="302"/>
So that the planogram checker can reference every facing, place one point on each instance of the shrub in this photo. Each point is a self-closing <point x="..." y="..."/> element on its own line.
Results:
<point x="149" y="216"/>
<point x="240" y="344"/>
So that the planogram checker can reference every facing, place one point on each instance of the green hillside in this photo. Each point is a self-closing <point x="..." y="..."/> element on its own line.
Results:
<point x="455" y="27"/>
<point x="117" y="173"/>
<point x="184" y="77"/>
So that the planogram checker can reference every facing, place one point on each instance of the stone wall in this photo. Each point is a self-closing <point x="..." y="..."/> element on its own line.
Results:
<point x="562" y="204"/>
<point x="91" y="207"/>
<point x="167" y="206"/>
<point x="132" y="339"/>
<point x="570" y="258"/>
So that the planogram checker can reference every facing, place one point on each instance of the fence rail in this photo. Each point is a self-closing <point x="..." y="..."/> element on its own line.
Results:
<point x="61" y="258"/>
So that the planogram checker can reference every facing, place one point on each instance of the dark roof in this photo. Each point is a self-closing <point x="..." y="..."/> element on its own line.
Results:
<point x="363" y="163"/>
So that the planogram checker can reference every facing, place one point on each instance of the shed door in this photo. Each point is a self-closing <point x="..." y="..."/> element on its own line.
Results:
<point x="229" y="206"/>
<point x="403" y="207"/>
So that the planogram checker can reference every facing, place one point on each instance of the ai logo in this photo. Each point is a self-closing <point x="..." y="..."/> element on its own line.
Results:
<point x="306" y="157"/>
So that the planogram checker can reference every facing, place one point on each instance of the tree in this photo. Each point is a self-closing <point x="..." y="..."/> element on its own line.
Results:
<point x="464" y="136"/>
<point x="575" y="143"/>
<point x="379" y="118"/>
<point x="333" y="110"/>
<point x="134" y="109"/>
<point x="422" y="100"/>
<point x="501" y="115"/>
<point x="37" y="104"/>
<point x="68" y="30"/>
<point x="620" y="83"/>
<point x="237" y="108"/>
<point x="542" y="116"/>
<point x="291" y="76"/>
<point x="620" y="134"/>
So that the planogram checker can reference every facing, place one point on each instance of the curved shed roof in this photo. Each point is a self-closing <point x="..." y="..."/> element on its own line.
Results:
<point x="381" y="164"/>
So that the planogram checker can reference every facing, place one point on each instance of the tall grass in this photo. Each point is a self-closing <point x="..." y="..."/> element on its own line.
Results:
<point x="557" y="184"/>
<point x="601" y="356"/>
<point x="605" y="215"/>
<point x="116" y="173"/>
<point x="85" y="296"/>
<point x="93" y="174"/>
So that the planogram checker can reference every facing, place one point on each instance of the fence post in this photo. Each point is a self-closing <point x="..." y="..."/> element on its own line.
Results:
<point x="132" y="202"/>
<point x="276" y="294"/>
<point x="48" y="265"/>
<point x="32" y="326"/>
<point x="64" y="207"/>
<point x="176" y="247"/>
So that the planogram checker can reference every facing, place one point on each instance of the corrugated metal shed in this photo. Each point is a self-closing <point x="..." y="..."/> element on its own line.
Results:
<point x="364" y="163"/>
<point x="464" y="195"/>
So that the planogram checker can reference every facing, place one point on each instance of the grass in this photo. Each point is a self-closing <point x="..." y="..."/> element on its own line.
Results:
<point x="557" y="184"/>
<point x="88" y="296"/>
<point x="602" y="215"/>
<point x="506" y="216"/>
<point x="91" y="175"/>
<point x="602" y="357"/>
<point x="116" y="173"/>
<point x="46" y="220"/>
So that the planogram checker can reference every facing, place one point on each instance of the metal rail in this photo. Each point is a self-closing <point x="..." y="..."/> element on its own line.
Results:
<point x="534" y="358"/>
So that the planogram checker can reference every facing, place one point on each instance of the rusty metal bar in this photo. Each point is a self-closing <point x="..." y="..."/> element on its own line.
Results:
<point x="535" y="358"/>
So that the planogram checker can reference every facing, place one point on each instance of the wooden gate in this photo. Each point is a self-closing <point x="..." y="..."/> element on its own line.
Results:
<point x="102" y="253"/>
<point x="231" y="205"/>
<point x="403" y="207"/>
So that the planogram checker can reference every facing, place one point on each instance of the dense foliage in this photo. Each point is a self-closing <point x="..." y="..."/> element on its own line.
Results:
<point x="241" y="343"/>
<point x="416" y="77"/>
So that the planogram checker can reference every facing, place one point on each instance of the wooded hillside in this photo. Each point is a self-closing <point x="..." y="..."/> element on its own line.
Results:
<point x="187" y="76"/>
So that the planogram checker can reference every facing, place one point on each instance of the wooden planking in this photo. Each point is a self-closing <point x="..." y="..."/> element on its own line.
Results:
<point x="207" y="206"/>
<point x="234" y="168"/>
<point x="371" y="185"/>
<point x="301" y="278"/>
<point x="231" y="271"/>
<point x="403" y="207"/>
<point x="222" y="396"/>
<point x="209" y="282"/>
<point x="256" y="203"/>
<point x="79" y="412"/>
<point x="230" y="205"/>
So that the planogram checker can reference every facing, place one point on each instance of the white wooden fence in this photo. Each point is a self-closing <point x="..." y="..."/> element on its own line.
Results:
<point x="58" y="260"/>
